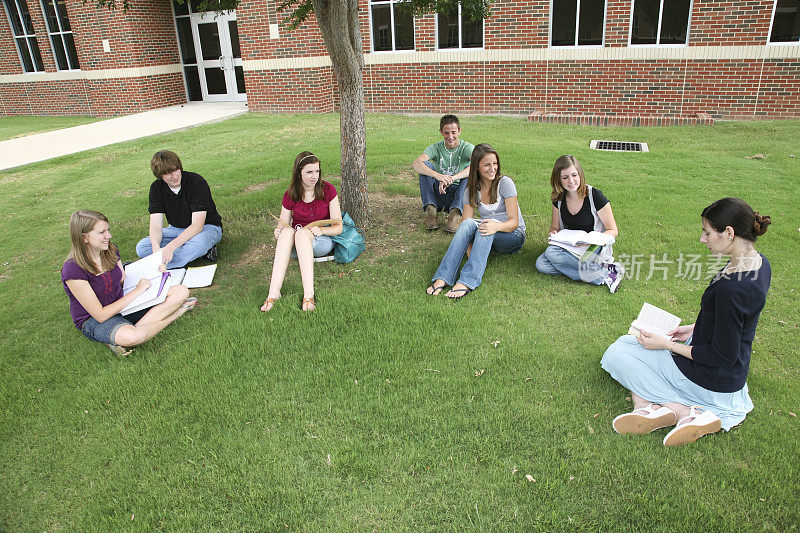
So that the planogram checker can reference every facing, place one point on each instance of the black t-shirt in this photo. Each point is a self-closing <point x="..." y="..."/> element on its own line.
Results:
<point x="722" y="341"/>
<point x="195" y="195"/>
<point x="583" y="220"/>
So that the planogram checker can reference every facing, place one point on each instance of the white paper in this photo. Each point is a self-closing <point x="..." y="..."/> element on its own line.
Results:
<point x="654" y="320"/>
<point x="199" y="276"/>
<point x="143" y="268"/>
<point x="138" y="270"/>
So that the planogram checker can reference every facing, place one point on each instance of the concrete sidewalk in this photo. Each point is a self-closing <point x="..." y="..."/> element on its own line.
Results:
<point x="42" y="146"/>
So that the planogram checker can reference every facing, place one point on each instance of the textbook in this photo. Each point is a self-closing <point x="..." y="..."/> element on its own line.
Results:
<point x="654" y="320"/>
<point x="160" y="283"/>
<point x="579" y="243"/>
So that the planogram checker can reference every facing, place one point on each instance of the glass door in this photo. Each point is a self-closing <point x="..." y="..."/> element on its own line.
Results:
<point x="219" y="58"/>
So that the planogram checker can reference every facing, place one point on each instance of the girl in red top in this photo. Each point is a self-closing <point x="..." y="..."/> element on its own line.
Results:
<point x="307" y="200"/>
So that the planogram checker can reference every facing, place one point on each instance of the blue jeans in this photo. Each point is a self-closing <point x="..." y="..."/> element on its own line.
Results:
<point x="195" y="247"/>
<point x="472" y="273"/>
<point x="106" y="332"/>
<point x="556" y="260"/>
<point x="452" y="198"/>
<point x="322" y="245"/>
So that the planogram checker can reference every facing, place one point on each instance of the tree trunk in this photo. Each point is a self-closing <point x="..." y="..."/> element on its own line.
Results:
<point x="339" y="25"/>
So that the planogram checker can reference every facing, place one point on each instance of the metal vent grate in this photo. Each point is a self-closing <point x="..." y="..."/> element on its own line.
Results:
<point x="619" y="146"/>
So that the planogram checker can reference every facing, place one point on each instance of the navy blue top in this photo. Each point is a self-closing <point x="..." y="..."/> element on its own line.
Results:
<point x="723" y="334"/>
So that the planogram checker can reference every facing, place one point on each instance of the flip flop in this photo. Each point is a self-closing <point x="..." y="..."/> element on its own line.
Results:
<point x="433" y="290"/>
<point x="189" y="304"/>
<point x="464" y="292"/>
<point x="308" y="304"/>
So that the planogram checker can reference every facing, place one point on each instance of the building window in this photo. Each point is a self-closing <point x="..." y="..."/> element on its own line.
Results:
<point x="660" y="21"/>
<point x="24" y="35"/>
<point x="456" y="30"/>
<point x="55" y="12"/>
<point x="786" y="22"/>
<point x="392" y="25"/>
<point x="191" y="73"/>
<point x="577" y="22"/>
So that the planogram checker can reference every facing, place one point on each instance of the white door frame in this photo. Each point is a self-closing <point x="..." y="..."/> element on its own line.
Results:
<point x="225" y="62"/>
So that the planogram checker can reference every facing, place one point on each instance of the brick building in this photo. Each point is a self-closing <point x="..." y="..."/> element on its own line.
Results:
<point x="731" y="59"/>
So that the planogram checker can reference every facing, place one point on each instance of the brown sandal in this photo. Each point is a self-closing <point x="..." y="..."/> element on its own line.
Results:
<point x="309" y="304"/>
<point x="269" y="302"/>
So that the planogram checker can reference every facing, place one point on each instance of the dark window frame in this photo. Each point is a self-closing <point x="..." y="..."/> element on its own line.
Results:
<point x="70" y="52"/>
<point x="576" y="39"/>
<point x="790" y="39"/>
<point x="24" y="32"/>
<point x="462" y="20"/>
<point x="659" y="25"/>
<point x="394" y="6"/>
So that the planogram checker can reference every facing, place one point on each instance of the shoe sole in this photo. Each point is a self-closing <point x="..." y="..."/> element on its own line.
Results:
<point x="119" y="351"/>
<point x="690" y="433"/>
<point x="636" y="424"/>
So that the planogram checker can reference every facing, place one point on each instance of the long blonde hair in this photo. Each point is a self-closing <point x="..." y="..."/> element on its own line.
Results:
<point x="82" y="221"/>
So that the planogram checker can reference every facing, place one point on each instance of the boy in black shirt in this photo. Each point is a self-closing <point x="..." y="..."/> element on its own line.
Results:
<point x="195" y="226"/>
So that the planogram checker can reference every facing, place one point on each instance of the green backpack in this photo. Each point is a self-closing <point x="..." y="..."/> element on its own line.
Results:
<point x="349" y="243"/>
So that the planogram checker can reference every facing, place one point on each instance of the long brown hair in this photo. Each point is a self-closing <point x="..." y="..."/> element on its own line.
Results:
<point x="474" y="179"/>
<point x="83" y="221"/>
<point x="563" y="163"/>
<point x="296" y="187"/>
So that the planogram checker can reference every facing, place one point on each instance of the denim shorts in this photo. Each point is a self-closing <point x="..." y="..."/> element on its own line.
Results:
<point x="322" y="245"/>
<point x="105" y="332"/>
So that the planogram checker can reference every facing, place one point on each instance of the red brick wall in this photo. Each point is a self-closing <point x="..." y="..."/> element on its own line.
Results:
<point x="518" y="24"/>
<point x="669" y="87"/>
<point x="725" y="88"/>
<point x="618" y="22"/>
<point x="291" y="91"/>
<point x="144" y="36"/>
<point x="717" y="23"/>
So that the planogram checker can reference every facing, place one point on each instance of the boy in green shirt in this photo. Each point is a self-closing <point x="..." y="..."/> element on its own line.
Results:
<point x="443" y="169"/>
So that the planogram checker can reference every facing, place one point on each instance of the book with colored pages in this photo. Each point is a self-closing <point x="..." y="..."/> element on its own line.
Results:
<point x="585" y="246"/>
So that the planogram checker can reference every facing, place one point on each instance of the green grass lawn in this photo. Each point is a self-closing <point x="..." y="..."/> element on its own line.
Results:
<point x="387" y="409"/>
<point x="19" y="126"/>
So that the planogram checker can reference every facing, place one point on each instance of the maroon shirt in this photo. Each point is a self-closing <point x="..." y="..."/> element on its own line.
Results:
<point x="304" y="213"/>
<point x="107" y="286"/>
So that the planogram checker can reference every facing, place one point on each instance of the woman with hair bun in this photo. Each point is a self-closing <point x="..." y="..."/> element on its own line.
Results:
<point x="307" y="200"/>
<point x="697" y="379"/>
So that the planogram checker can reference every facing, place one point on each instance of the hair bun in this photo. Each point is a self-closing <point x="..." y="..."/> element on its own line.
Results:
<point x="761" y="224"/>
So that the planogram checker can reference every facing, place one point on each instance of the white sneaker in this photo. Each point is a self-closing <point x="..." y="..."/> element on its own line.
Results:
<point x="614" y="276"/>
<point x="692" y="427"/>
